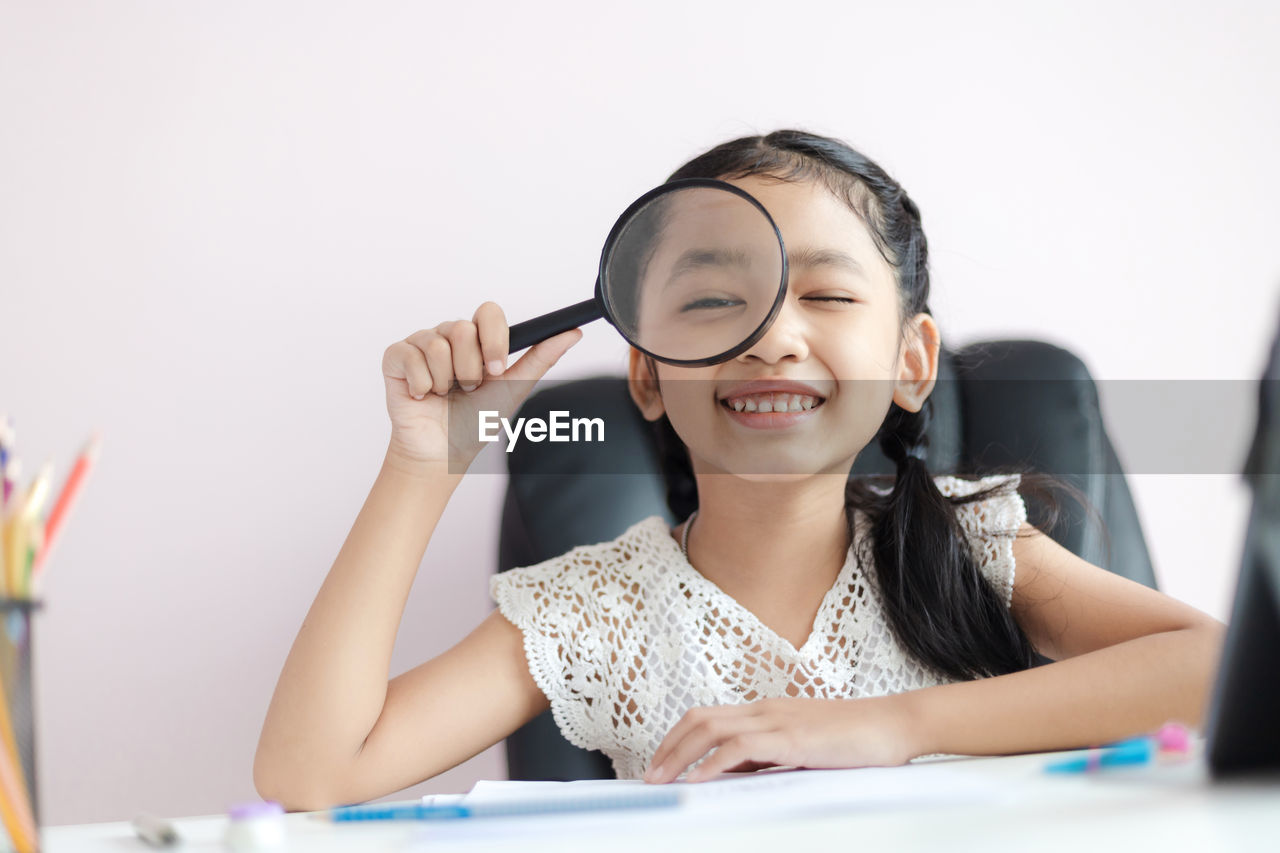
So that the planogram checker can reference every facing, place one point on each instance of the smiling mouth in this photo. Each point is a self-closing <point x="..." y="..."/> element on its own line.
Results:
<point x="771" y="403"/>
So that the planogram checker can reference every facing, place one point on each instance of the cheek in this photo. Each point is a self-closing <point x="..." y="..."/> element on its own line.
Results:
<point x="862" y="408"/>
<point x="871" y="353"/>
<point x="869" y="395"/>
<point x="689" y="404"/>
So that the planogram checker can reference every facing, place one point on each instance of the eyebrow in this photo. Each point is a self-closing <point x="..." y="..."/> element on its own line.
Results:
<point x="811" y="257"/>
<point x="692" y="259"/>
<point x="808" y="256"/>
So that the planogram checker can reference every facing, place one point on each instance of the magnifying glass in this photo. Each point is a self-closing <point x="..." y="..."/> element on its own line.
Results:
<point x="692" y="274"/>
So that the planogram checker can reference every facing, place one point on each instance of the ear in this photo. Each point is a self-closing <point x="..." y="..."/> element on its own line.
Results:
<point x="644" y="387"/>
<point x="918" y="363"/>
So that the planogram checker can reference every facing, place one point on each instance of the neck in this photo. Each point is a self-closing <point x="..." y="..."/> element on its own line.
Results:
<point x="759" y="536"/>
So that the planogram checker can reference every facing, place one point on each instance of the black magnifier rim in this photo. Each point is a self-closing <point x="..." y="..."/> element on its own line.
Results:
<point x="616" y="231"/>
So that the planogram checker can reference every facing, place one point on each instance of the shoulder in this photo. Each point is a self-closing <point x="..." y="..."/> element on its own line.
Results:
<point x="991" y="524"/>
<point x="1000" y="512"/>
<point x="567" y="610"/>
<point x="953" y="486"/>
<point x="581" y="581"/>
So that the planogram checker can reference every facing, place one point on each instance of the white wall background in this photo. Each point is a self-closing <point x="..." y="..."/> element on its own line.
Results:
<point x="214" y="216"/>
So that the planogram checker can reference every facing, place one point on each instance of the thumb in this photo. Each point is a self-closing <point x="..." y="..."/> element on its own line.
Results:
<point x="539" y="358"/>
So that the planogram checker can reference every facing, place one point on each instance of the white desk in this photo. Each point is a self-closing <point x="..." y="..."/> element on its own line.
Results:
<point x="1139" y="810"/>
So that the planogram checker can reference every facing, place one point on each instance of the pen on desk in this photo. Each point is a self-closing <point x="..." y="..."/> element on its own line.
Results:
<point x="413" y="812"/>
<point x="156" y="831"/>
<point x="658" y="797"/>
<point x="1171" y="738"/>
<point x="1136" y="751"/>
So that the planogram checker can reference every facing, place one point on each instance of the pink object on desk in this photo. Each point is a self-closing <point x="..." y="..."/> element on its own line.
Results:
<point x="1173" y="737"/>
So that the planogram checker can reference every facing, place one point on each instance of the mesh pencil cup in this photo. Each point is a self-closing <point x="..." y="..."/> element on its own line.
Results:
<point x="17" y="714"/>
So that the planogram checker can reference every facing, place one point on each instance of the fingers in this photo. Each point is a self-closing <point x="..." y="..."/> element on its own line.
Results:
<point x="403" y="360"/>
<point x="437" y="353"/>
<point x="430" y="360"/>
<point x="539" y="358"/>
<point x="453" y="350"/>
<point x="744" y="748"/>
<point x="494" y="337"/>
<point x="468" y="361"/>
<point x="699" y="731"/>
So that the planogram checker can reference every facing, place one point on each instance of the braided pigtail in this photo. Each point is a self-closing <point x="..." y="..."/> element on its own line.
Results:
<point x="938" y="604"/>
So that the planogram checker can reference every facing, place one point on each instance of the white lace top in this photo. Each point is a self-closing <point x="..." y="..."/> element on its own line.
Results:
<point x="625" y="636"/>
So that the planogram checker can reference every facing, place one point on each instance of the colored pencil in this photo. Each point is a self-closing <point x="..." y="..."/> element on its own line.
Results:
<point x="33" y="503"/>
<point x="15" y="802"/>
<point x="28" y="519"/>
<point x="66" y="500"/>
<point x="35" y="544"/>
<point x="14" y="544"/>
<point x="6" y="451"/>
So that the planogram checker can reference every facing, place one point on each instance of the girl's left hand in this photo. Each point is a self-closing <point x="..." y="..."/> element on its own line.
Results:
<point x="789" y="731"/>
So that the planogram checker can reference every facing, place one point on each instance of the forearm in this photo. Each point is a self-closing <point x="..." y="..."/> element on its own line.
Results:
<point x="1106" y="695"/>
<point x="334" y="681"/>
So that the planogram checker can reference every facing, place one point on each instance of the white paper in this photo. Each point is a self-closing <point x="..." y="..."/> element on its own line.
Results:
<point x="764" y="794"/>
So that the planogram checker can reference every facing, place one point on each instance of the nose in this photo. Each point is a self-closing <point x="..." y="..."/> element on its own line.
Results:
<point x="785" y="337"/>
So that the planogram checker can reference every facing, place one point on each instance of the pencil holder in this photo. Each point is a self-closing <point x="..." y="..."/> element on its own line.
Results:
<point x="19" y="809"/>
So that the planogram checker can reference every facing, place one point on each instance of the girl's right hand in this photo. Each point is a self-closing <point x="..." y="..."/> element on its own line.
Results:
<point x="435" y="419"/>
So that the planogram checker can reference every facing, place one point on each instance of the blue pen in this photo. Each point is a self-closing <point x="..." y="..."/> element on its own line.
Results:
<point x="412" y="812"/>
<point x="656" y="796"/>
<point x="1124" y="753"/>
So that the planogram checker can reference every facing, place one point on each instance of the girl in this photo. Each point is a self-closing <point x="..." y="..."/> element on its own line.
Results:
<point x="796" y="617"/>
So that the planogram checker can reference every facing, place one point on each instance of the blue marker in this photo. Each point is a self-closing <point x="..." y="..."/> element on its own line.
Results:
<point x="648" y="797"/>
<point x="1124" y="753"/>
<point x="412" y="812"/>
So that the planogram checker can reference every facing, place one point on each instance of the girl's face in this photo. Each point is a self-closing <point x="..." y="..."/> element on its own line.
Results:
<point x="838" y="343"/>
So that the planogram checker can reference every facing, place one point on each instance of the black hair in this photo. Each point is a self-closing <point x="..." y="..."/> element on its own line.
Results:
<point x="938" y="605"/>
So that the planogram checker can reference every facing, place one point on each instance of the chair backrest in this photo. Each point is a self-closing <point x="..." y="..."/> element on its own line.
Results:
<point x="995" y="403"/>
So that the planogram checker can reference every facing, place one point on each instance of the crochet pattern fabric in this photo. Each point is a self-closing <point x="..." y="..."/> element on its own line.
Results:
<point x="625" y="636"/>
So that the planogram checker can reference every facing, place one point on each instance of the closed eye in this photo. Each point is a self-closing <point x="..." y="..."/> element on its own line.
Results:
<point x="831" y="298"/>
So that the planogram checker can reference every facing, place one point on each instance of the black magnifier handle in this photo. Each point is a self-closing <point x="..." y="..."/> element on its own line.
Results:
<point x="538" y="329"/>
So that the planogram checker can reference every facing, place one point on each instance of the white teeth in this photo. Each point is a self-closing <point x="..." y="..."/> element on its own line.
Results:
<point x="774" y="403"/>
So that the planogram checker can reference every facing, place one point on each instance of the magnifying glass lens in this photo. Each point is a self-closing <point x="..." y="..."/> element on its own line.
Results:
<point x="693" y="273"/>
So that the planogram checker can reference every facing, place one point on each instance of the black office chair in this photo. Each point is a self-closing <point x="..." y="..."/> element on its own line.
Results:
<point x="996" y="403"/>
